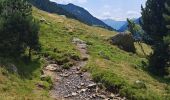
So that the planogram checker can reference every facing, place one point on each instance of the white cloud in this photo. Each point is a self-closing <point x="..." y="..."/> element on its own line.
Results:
<point x="69" y="1"/>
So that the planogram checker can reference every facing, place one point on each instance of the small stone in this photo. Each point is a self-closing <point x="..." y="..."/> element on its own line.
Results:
<point x="78" y="68"/>
<point x="42" y="20"/>
<point x="94" y="95"/>
<point x="83" y="90"/>
<point x="65" y="75"/>
<point x="117" y="95"/>
<point x="78" y="87"/>
<point x="97" y="89"/>
<point x="52" y="67"/>
<point x="73" y="93"/>
<point x="140" y="84"/>
<point x="79" y="72"/>
<point x="68" y="82"/>
<point x="82" y="84"/>
<point x="111" y="96"/>
<point x="81" y="76"/>
<point x="91" y="97"/>
<point x="90" y="86"/>
<point x="102" y="96"/>
<point x="66" y="96"/>
<point x="124" y="98"/>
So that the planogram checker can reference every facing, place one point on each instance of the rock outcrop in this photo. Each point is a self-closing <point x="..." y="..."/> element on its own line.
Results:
<point x="125" y="41"/>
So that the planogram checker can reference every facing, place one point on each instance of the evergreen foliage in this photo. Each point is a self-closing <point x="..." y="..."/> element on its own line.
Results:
<point x="167" y="37"/>
<point x="153" y="24"/>
<point x="18" y="29"/>
<point x="152" y="20"/>
<point x="135" y="30"/>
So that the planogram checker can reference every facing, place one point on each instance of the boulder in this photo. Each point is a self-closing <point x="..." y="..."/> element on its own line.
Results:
<point x="125" y="41"/>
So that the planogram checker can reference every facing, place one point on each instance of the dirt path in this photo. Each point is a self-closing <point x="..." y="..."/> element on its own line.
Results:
<point x="73" y="84"/>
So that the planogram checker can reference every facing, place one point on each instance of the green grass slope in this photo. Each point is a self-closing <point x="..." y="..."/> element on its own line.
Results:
<point x="122" y="69"/>
<point x="113" y="67"/>
<point x="22" y="85"/>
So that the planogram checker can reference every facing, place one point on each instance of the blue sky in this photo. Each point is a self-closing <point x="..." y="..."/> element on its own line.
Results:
<point x="114" y="9"/>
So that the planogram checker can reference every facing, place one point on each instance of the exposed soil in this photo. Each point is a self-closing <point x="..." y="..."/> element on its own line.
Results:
<point x="74" y="84"/>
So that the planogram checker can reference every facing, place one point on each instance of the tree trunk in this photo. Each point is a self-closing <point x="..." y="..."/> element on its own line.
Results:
<point x="30" y="50"/>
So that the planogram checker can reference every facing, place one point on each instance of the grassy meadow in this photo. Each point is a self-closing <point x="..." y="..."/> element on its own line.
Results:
<point x="116" y="69"/>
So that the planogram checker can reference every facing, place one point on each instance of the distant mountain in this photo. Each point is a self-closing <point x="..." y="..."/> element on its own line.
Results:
<point x="125" y="26"/>
<point x="70" y="10"/>
<point x="114" y="24"/>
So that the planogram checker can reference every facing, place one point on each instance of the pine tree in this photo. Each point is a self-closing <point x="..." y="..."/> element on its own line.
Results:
<point x="152" y="20"/>
<point x="131" y="26"/>
<point x="167" y="37"/>
<point x="16" y="25"/>
<point x="135" y="29"/>
<point x="153" y="24"/>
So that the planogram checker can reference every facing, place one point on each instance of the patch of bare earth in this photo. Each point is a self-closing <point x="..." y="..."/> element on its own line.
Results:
<point x="75" y="84"/>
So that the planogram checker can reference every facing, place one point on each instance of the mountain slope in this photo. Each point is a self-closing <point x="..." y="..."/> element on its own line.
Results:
<point x="107" y="63"/>
<point x="125" y="26"/>
<point x="71" y="11"/>
<point x="114" y="24"/>
<point x="120" y="72"/>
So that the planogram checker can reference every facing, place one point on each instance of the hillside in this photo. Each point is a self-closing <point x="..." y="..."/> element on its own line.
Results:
<point x="71" y="11"/>
<point x="119" y="72"/>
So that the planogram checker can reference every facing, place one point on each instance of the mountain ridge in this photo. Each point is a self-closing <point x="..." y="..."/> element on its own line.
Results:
<point x="70" y="10"/>
<point x="113" y="23"/>
<point x="125" y="26"/>
<point x="120" y="26"/>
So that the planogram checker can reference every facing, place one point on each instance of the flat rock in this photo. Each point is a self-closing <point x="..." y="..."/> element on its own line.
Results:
<point x="83" y="90"/>
<point x="64" y="75"/>
<point x="102" y="96"/>
<point x="90" y="86"/>
<point x="79" y="72"/>
<point x="52" y="67"/>
<point x="73" y="93"/>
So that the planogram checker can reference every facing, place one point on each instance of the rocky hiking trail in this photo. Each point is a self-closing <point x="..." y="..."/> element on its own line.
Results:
<point x="74" y="84"/>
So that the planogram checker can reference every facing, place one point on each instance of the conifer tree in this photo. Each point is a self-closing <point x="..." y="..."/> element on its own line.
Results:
<point x="153" y="24"/>
<point x="16" y="27"/>
<point x="152" y="20"/>
<point x="167" y="37"/>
